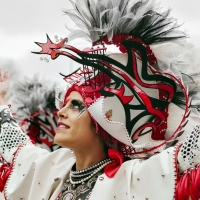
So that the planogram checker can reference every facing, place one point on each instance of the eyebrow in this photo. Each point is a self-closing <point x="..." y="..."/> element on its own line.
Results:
<point x="68" y="99"/>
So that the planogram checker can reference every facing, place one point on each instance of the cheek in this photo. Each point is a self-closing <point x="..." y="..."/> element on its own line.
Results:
<point x="65" y="138"/>
<point x="86" y="127"/>
<point x="60" y="135"/>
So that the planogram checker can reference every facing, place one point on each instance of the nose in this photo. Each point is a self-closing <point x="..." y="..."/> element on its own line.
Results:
<point x="62" y="113"/>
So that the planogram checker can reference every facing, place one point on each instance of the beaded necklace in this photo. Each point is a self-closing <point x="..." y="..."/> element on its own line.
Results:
<point x="79" y="184"/>
<point x="86" y="174"/>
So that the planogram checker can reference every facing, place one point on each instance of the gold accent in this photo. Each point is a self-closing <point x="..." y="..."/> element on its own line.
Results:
<point x="108" y="114"/>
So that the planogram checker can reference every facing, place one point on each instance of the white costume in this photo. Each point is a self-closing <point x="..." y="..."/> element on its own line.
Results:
<point x="38" y="174"/>
<point x="129" y="96"/>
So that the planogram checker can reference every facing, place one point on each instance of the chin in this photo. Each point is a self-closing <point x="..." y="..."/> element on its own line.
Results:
<point x="60" y="141"/>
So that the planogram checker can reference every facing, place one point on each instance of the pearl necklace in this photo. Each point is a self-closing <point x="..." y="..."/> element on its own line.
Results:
<point x="89" y="168"/>
<point x="96" y="168"/>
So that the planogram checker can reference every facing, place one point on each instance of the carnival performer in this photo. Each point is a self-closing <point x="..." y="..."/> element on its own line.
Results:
<point x="119" y="115"/>
<point x="35" y="113"/>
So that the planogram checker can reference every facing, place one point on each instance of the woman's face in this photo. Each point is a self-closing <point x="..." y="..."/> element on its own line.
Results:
<point x="75" y="128"/>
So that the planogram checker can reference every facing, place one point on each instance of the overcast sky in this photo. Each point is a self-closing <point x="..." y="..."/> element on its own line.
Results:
<point x="24" y="21"/>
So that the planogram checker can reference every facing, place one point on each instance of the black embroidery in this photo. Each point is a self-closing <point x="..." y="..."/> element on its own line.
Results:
<point x="190" y="146"/>
<point x="11" y="134"/>
<point x="81" y="191"/>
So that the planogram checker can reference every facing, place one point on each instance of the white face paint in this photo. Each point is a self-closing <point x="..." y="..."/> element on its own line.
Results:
<point x="76" y="104"/>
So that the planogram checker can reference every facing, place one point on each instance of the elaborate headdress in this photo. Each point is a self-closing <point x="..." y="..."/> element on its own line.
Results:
<point x="34" y="108"/>
<point x="127" y="94"/>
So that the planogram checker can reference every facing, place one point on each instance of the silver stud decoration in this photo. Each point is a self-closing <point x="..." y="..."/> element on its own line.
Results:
<point x="56" y="38"/>
<point x="46" y="59"/>
<point x="101" y="178"/>
<point x="56" y="179"/>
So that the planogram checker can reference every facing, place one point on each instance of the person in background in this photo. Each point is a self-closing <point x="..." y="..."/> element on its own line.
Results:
<point x="36" y="113"/>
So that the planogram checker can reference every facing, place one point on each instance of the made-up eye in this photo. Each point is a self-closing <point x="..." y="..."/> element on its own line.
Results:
<point x="76" y="105"/>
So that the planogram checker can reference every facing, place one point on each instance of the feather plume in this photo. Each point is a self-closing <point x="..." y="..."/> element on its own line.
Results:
<point x="31" y="95"/>
<point x="96" y="19"/>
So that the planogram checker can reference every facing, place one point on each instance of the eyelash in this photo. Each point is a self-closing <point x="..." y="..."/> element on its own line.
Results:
<point x="76" y="105"/>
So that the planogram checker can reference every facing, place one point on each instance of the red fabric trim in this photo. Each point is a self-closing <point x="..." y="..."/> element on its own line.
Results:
<point x="5" y="170"/>
<point x="189" y="185"/>
<point x="111" y="169"/>
<point x="183" y="188"/>
<point x="195" y="183"/>
<point x="175" y="153"/>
